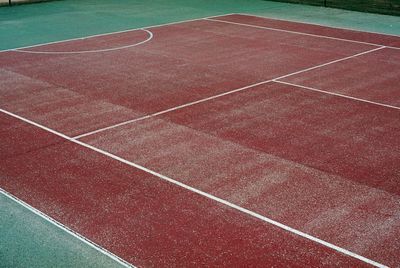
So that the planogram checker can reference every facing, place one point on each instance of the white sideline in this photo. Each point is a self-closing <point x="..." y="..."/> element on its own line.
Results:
<point x="294" y="32"/>
<point x="337" y="94"/>
<point x="220" y="95"/>
<point x="67" y="229"/>
<point x="207" y="195"/>
<point x="316" y="24"/>
<point x="150" y="36"/>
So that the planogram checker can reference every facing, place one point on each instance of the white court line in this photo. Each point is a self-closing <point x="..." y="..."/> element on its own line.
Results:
<point x="294" y="32"/>
<point x="110" y="33"/>
<point x="67" y="229"/>
<point x="337" y="94"/>
<point x="204" y="194"/>
<point x="220" y="95"/>
<point x="150" y="36"/>
<point x="316" y="24"/>
<point x="171" y="109"/>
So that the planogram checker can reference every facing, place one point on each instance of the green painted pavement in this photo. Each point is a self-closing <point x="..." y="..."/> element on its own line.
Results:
<point x="27" y="240"/>
<point x="31" y="24"/>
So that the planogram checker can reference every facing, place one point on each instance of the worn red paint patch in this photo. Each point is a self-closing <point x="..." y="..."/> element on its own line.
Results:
<point x="145" y="220"/>
<point x="56" y="107"/>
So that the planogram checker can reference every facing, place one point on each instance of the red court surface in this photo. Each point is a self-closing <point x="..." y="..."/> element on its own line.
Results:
<point x="143" y="219"/>
<point x="226" y="141"/>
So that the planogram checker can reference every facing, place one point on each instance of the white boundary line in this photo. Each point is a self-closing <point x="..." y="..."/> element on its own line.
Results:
<point x="337" y="94"/>
<point x="110" y="33"/>
<point x="220" y="95"/>
<point x="68" y="230"/>
<point x="315" y="24"/>
<point x="204" y="194"/>
<point x="300" y="33"/>
<point x="150" y="36"/>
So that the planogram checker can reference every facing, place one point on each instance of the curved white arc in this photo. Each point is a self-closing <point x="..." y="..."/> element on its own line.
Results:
<point x="150" y="36"/>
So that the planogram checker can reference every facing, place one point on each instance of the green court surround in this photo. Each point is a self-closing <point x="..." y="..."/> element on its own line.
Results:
<point x="27" y="240"/>
<point x="24" y="25"/>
